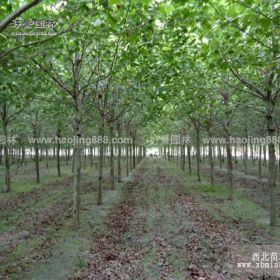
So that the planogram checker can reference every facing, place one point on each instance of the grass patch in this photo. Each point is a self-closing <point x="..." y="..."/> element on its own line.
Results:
<point x="24" y="248"/>
<point x="215" y="190"/>
<point x="214" y="199"/>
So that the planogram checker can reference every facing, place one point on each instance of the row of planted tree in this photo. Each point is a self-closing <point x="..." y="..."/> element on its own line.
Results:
<point x="255" y="155"/>
<point x="116" y="146"/>
<point x="211" y="66"/>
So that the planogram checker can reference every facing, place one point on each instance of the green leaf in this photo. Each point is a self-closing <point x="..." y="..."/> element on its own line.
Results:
<point x="166" y="8"/>
<point x="110" y="19"/>
<point x="114" y="2"/>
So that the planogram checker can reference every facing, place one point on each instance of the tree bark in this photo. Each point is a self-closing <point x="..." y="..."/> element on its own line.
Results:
<point x="229" y="160"/>
<point x="58" y="136"/>
<point x="198" y="155"/>
<point x="112" y="169"/>
<point x="77" y="163"/>
<point x="119" y="154"/>
<point x="245" y="157"/>
<point x="133" y="150"/>
<point x="220" y="155"/>
<point x="260" y="161"/>
<point x="7" y="186"/>
<point x="100" y="161"/>
<point x="127" y="159"/>
<point x="271" y="163"/>
<point x="36" y="135"/>
<point x="210" y="154"/>
<point x="189" y="158"/>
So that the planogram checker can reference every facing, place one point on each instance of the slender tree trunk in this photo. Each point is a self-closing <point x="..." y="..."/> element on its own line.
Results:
<point x="119" y="154"/>
<point x="183" y="155"/>
<point x="198" y="155"/>
<point x="264" y="154"/>
<point x="127" y="159"/>
<point x="112" y="168"/>
<point x="1" y="154"/>
<point x="168" y="148"/>
<point x="220" y="155"/>
<point x="91" y="155"/>
<point x="18" y="159"/>
<point x="271" y="164"/>
<point x="84" y="152"/>
<point x="252" y="154"/>
<point x="101" y="161"/>
<point x="58" y="136"/>
<point x="211" y="157"/>
<point x="245" y="157"/>
<point x="260" y="161"/>
<point x="77" y="163"/>
<point x="130" y="156"/>
<point x="47" y="157"/>
<point x="36" y="135"/>
<point x="189" y="158"/>
<point x="279" y="157"/>
<point x="7" y="186"/>
<point x="134" y="150"/>
<point x="235" y="153"/>
<point x="229" y="163"/>
<point x="22" y="162"/>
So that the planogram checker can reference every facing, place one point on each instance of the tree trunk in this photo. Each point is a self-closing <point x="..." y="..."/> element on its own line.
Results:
<point x="220" y="155"/>
<point x="7" y="186"/>
<point x="119" y="154"/>
<point x="77" y="163"/>
<point x="134" y="150"/>
<point x="211" y="157"/>
<point x="47" y="157"/>
<point x="271" y="163"/>
<point x="245" y="156"/>
<point x="198" y="155"/>
<point x="127" y="159"/>
<point x="130" y="156"/>
<point x="101" y="161"/>
<point x="264" y="154"/>
<point x="183" y="155"/>
<point x="91" y="155"/>
<point x="189" y="158"/>
<point x="260" y="161"/>
<point x="1" y="154"/>
<point x="36" y="149"/>
<point x="58" y="135"/>
<point x="112" y="169"/>
<point x="229" y="162"/>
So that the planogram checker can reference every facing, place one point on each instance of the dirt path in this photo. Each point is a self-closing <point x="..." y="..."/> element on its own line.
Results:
<point x="159" y="230"/>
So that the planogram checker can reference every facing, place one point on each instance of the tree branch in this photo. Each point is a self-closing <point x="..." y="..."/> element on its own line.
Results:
<point x="54" y="78"/>
<point x="3" y="54"/>
<point x="247" y="83"/>
<point x="9" y="18"/>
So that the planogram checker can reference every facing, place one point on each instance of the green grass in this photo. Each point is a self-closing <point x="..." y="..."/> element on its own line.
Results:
<point x="67" y="255"/>
<point x="25" y="247"/>
<point x="214" y="199"/>
<point x="20" y="185"/>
